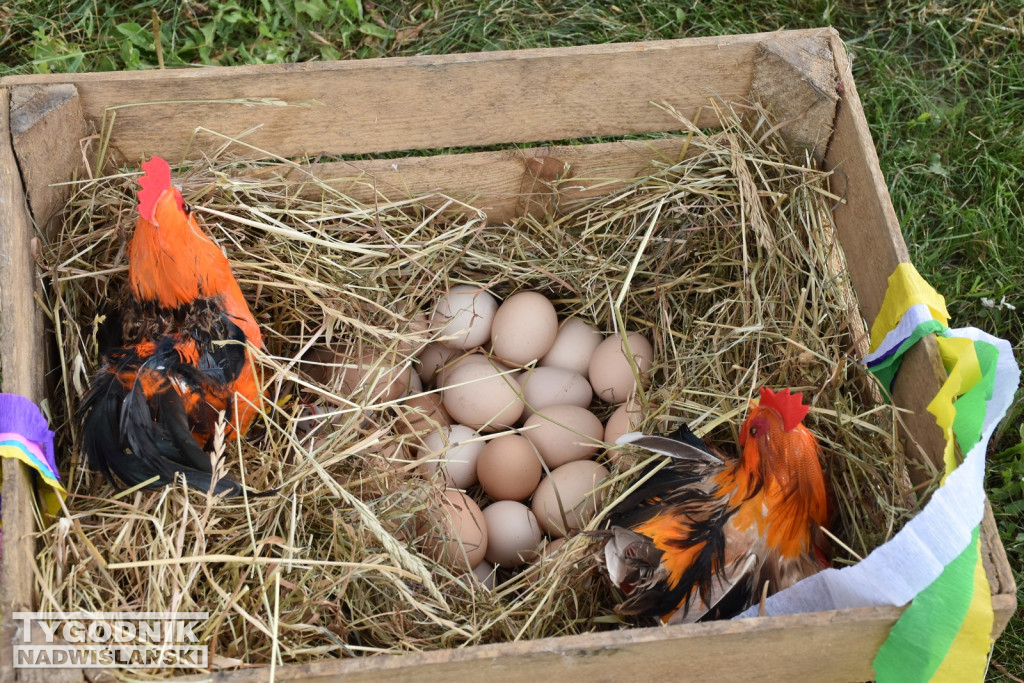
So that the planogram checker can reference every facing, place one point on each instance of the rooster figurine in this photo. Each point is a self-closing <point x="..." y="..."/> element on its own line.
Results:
<point x="153" y="407"/>
<point x="707" y="534"/>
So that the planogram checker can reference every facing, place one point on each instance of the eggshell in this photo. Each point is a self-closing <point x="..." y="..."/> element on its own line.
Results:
<point x="611" y="375"/>
<point x="476" y="394"/>
<point x="564" y="433"/>
<point x="458" y="537"/>
<point x="573" y="347"/>
<point x="543" y="387"/>
<point x="454" y="450"/>
<point x="512" y="533"/>
<point x="456" y="362"/>
<point x="394" y="457"/>
<point x="373" y="377"/>
<point x="464" y="315"/>
<point x="485" y="575"/>
<point x="572" y="489"/>
<point x="624" y="420"/>
<point x="524" y="328"/>
<point x="431" y="359"/>
<point x="509" y="468"/>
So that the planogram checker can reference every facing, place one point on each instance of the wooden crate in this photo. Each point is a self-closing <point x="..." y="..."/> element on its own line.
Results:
<point x="388" y="105"/>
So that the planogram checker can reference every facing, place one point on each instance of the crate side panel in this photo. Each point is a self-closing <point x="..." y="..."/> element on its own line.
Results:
<point x="503" y="185"/>
<point x="873" y="243"/>
<point x="870" y="234"/>
<point x="384" y="105"/>
<point x="21" y="363"/>
<point x="47" y="127"/>
<point x="824" y="646"/>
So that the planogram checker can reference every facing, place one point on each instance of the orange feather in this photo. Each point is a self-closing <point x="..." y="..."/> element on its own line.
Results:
<point x="189" y="361"/>
<point x="703" y="534"/>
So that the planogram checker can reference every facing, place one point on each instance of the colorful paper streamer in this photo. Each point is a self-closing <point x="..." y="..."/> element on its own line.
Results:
<point x="26" y="436"/>
<point x="934" y="562"/>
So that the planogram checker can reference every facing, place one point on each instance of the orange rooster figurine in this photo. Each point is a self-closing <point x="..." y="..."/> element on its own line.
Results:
<point x="708" y="533"/>
<point x="154" y="405"/>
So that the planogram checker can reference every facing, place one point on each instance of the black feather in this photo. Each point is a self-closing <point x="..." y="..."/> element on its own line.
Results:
<point x="133" y="437"/>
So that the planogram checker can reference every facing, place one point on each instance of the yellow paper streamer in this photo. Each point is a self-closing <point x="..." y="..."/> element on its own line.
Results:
<point x="906" y="288"/>
<point x="961" y="363"/>
<point x="969" y="652"/>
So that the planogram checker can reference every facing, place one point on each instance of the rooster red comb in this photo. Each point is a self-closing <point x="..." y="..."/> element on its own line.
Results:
<point x="155" y="180"/>
<point x="790" y="407"/>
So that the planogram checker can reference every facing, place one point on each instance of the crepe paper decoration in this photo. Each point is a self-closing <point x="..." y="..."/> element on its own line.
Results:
<point x="25" y="435"/>
<point x="935" y="560"/>
<point x="915" y="324"/>
<point x="906" y="288"/>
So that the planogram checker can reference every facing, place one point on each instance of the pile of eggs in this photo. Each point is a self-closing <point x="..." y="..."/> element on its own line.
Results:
<point x="508" y="392"/>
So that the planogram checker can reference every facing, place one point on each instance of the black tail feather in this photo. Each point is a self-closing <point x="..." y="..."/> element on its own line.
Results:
<point x="126" y="435"/>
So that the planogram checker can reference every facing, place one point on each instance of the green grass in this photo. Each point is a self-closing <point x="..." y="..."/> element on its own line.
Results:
<point x="942" y="85"/>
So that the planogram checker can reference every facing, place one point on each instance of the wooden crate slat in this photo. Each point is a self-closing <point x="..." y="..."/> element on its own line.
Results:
<point x="504" y="184"/>
<point x="823" y="646"/>
<point x="21" y="362"/>
<point x="382" y="105"/>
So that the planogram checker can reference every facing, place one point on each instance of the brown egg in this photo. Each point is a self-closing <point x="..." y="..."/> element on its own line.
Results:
<point x="509" y="468"/>
<point x="458" y="537"/>
<point x="625" y="419"/>
<point x="564" y="433"/>
<point x="611" y="374"/>
<point x="512" y="533"/>
<point x="524" y="328"/>
<point x="573" y="347"/>
<point x="395" y="458"/>
<point x="464" y="316"/>
<point x="569" y="497"/>
<point x="454" y="450"/>
<point x="478" y="395"/>
<point x="373" y="377"/>
<point x="543" y="387"/>
<point x="320" y="364"/>
<point x="430" y="361"/>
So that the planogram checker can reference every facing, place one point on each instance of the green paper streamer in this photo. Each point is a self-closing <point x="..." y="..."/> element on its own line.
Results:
<point x="885" y="371"/>
<point x="919" y="641"/>
<point x="971" y="406"/>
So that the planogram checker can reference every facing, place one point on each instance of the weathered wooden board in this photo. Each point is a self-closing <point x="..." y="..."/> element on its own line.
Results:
<point x="503" y="184"/>
<point x="430" y="102"/>
<point x="21" y="364"/>
<point x="824" y="646"/>
<point x="47" y="127"/>
<point x="873" y="246"/>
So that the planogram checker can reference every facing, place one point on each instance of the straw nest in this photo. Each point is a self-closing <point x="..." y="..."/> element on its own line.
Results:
<point x="726" y="259"/>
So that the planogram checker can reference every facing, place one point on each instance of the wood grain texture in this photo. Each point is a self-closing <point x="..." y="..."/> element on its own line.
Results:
<point x="47" y="125"/>
<point x="503" y="185"/>
<point x="824" y="646"/>
<point x="873" y="244"/>
<point x="21" y="362"/>
<point x="431" y="102"/>
<point x="795" y="80"/>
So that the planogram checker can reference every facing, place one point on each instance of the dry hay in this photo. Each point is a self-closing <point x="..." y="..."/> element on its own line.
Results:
<point x="726" y="259"/>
